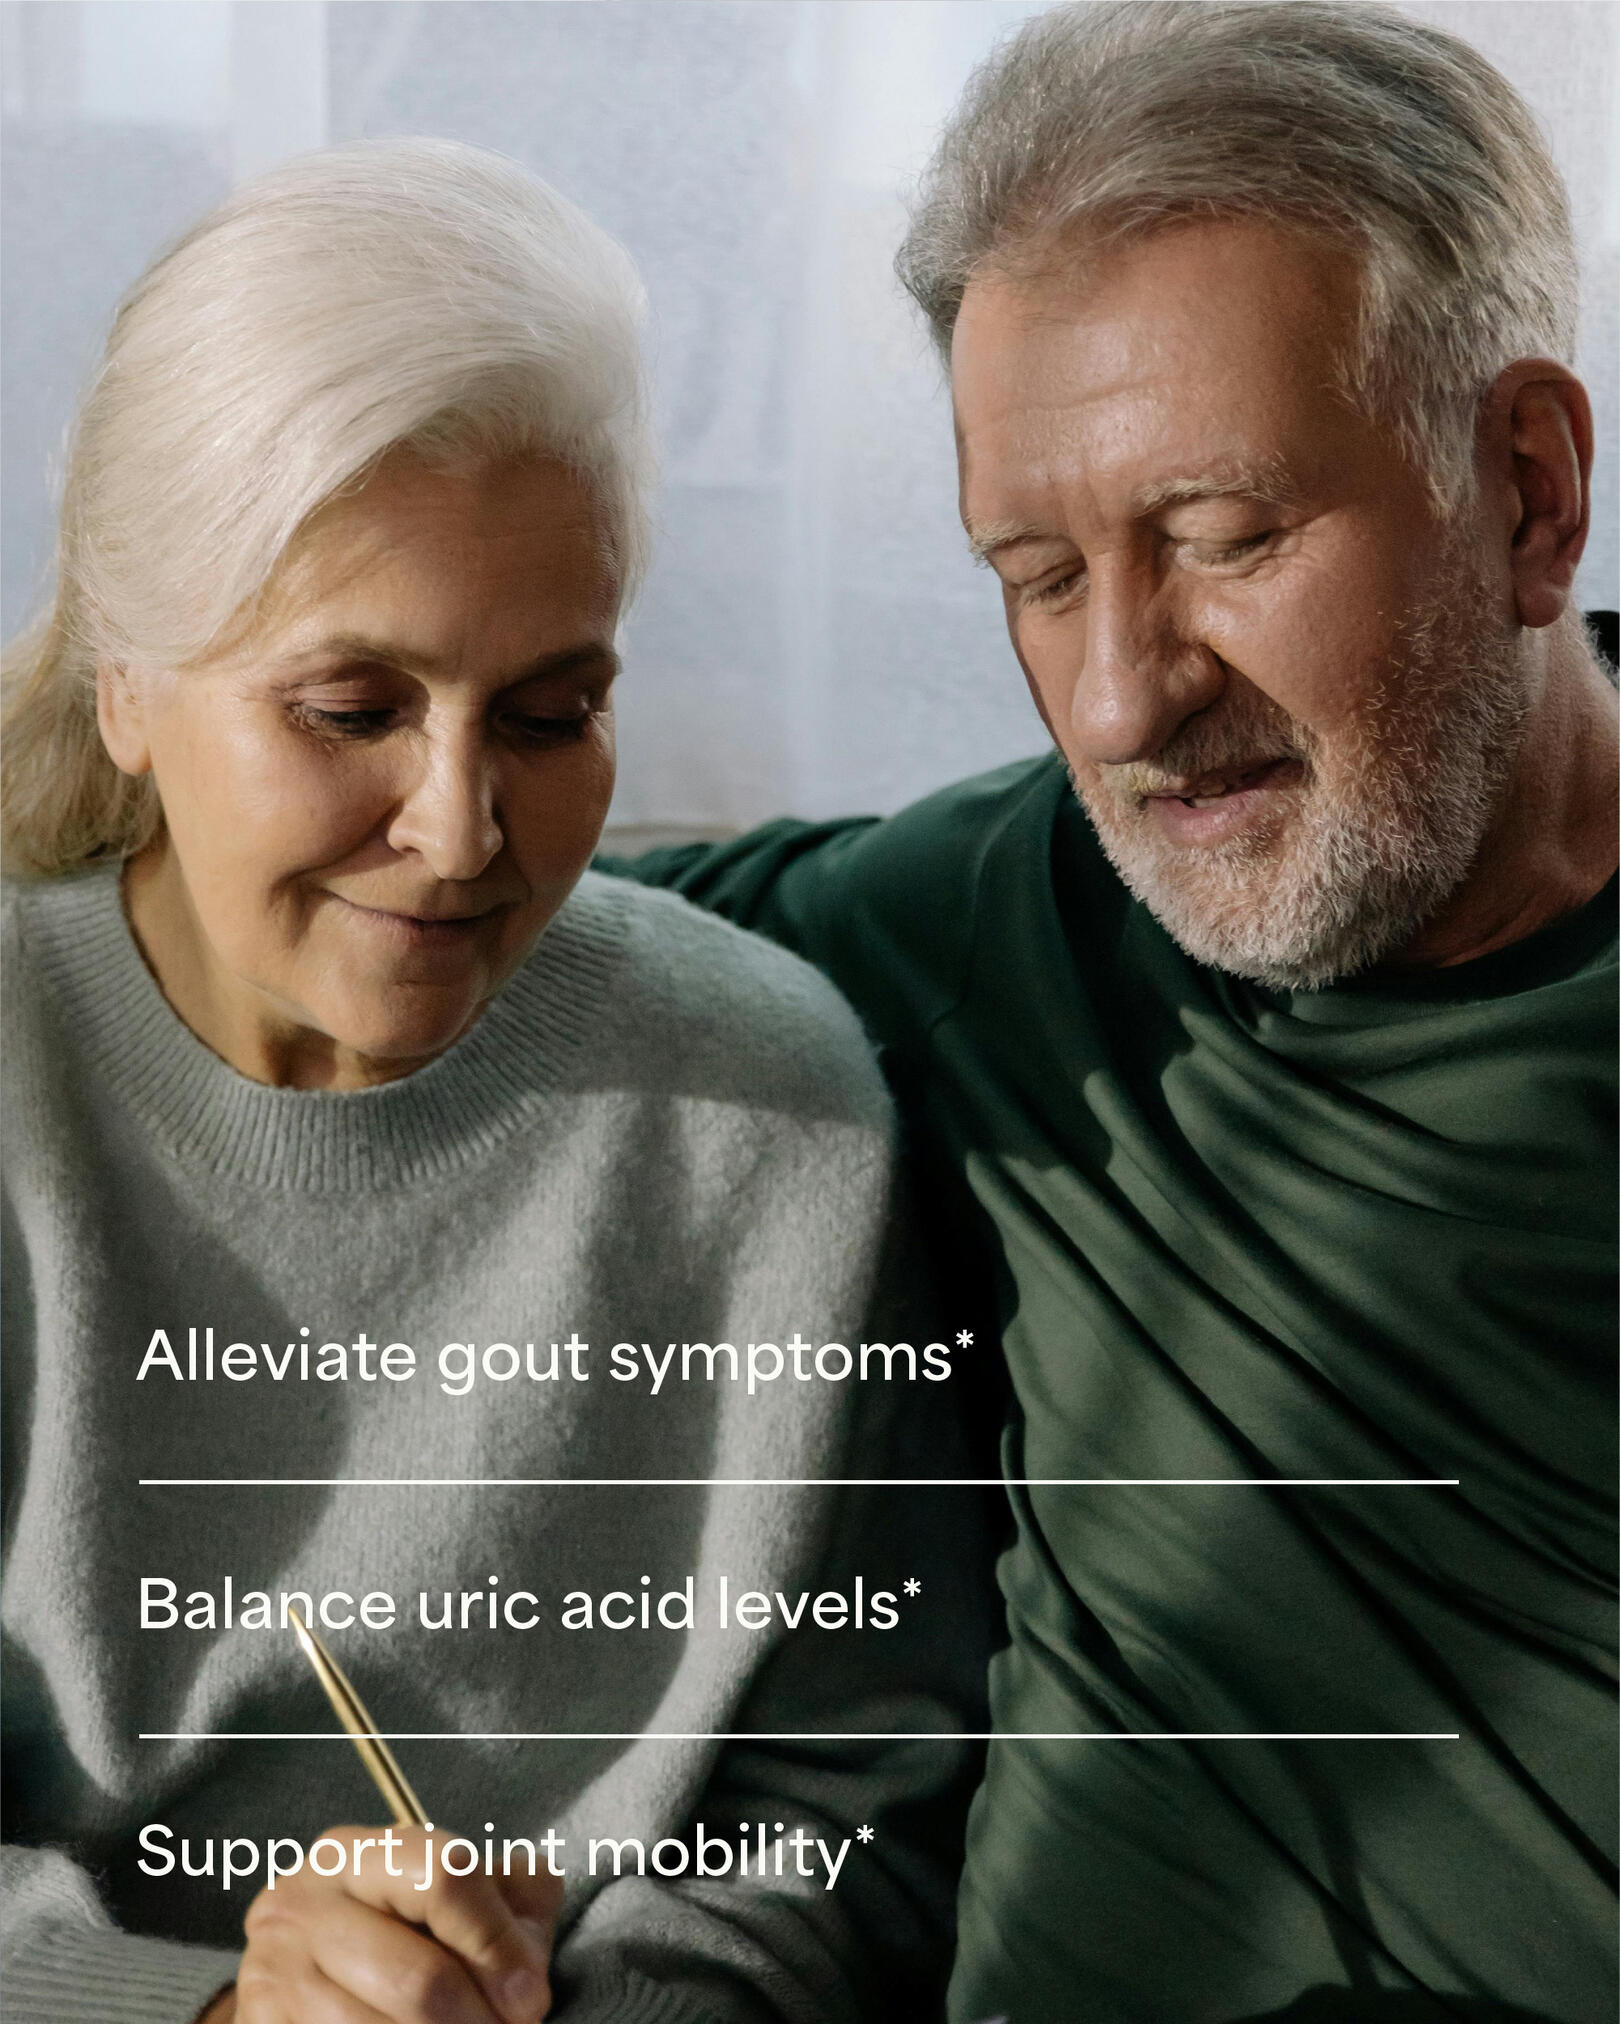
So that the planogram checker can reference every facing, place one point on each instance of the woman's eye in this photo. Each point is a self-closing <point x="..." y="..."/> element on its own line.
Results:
<point x="344" y="723"/>
<point x="528" y="729"/>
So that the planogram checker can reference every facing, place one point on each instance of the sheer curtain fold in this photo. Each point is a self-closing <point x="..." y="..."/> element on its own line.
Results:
<point x="813" y="636"/>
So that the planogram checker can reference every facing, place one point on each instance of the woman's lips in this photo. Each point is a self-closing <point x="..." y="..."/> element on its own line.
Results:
<point x="1219" y="806"/>
<point x="422" y="931"/>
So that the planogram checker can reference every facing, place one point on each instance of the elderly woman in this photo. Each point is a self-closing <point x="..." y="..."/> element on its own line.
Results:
<point x="366" y="1152"/>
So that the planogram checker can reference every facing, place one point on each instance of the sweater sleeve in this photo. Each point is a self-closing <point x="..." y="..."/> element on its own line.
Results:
<point x="64" y="1962"/>
<point x="875" y="1722"/>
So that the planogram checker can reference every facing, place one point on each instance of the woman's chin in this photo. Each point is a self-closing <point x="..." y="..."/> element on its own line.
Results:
<point x="380" y="1042"/>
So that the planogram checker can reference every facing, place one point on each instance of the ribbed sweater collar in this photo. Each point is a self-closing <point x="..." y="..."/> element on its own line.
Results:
<point x="431" y="1123"/>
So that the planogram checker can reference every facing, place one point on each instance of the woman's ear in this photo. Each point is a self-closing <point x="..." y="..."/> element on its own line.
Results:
<point x="121" y="715"/>
<point x="1540" y="428"/>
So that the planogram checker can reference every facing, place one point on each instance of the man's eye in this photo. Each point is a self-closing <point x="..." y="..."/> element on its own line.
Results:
<point x="1232" y="551"/>
<point x="1057" y="590"/>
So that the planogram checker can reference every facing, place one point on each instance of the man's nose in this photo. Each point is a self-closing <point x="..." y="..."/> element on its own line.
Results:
<point x="446" y="815"/>
<point x="1142" y="677"/>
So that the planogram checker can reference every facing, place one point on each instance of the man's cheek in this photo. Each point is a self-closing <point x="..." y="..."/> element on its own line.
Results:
<point x="1284" y="642"/>
<point x="1051" y="696"/>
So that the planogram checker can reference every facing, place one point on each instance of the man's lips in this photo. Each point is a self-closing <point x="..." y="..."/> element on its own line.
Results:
<point x="1220" y="805"/>
<point x="1215" y="784"/>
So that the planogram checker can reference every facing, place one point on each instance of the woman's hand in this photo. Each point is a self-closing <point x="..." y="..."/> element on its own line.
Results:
<point x="352" y="1950"/>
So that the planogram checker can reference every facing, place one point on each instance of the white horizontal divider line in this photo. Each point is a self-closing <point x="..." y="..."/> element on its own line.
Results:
<point x="803" y="1736"/>
<point x="800" y="1482"/>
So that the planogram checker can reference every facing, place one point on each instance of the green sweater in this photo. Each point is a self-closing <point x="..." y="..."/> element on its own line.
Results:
<point x="661" y="1131"/>
<point x="1364" y="1232"/>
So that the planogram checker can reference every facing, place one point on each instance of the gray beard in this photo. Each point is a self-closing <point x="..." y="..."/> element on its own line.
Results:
<point x="1387" y="820"/>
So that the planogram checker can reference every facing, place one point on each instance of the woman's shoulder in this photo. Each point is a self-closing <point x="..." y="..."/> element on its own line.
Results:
<point x="53" y="933"/>
<point x="709" y="1009"/>
<point x="48" y="922"/>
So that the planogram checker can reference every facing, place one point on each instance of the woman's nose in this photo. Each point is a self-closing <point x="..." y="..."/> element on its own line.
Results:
<point x="446" y="816"/>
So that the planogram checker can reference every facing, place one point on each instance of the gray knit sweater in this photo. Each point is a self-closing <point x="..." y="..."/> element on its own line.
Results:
<point x="662" y="1132"/>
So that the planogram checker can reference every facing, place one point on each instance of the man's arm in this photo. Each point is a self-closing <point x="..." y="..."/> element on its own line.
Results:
<point x="777" y="880"/>
<point x="888" y="909"/>
<point x="878" y="1945"/>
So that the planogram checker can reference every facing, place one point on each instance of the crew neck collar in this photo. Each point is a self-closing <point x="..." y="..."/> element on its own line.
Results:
<point x="1559" y="949"/>
<point x="430" y="1123"/>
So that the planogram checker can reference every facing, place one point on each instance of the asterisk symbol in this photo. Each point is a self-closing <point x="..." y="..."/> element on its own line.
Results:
<point x="964" y="1339"/>
<point x="863" y="1834"/>
<point x="913" y="1586"/>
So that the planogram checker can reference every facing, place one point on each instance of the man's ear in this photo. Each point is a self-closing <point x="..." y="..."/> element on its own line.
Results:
<point x="121" y="715"/>
<point x="1536" y="440"/>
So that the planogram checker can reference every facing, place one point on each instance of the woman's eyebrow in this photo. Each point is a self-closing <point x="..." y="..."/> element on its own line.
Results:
<point x="587" y="655"/>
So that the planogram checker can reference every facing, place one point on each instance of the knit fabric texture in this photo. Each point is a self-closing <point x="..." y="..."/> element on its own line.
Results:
<point x="662" y="1132"/>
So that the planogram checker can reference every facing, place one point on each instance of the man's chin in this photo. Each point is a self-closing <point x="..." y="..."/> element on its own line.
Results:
<point x="1263" y="906"/>
<point x="1307" y="960"/>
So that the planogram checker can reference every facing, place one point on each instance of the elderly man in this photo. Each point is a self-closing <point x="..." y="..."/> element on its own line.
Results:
<point x="1262" y="1037"/>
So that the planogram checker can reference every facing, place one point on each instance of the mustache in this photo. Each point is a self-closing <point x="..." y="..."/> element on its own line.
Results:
<point x="1242" y="734"/>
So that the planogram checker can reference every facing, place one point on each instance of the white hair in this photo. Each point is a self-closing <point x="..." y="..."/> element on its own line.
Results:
<point x="411" y="293"/>
<point x="1349" y="121"/>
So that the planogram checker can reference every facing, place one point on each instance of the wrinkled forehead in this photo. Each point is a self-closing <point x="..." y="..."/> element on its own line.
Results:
<point x="504" y="562"/>
<point x="1213" y="341"/>
<point x="468" y="503"/>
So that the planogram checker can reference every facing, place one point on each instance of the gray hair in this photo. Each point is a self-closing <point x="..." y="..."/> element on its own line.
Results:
<point x="391" y="293"/>
<point x="1350" y="121"/>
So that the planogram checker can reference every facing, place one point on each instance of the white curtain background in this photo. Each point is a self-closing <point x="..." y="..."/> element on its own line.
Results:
<point x="813" y="637"/>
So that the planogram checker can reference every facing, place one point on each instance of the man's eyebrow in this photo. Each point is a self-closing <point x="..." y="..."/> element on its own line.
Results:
<point x="1267" y="482"/>
<point x="984" y="542"/>
<point x="351" y="646"/>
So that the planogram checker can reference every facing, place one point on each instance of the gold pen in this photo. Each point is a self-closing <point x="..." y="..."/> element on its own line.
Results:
<point x="350" y="1710"/>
